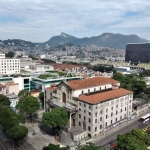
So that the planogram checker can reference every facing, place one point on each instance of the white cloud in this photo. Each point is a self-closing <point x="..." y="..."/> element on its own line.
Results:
<point x="38" y="20"/>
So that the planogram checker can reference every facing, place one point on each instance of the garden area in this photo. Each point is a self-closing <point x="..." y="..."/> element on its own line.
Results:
<point x="54" y="75"/>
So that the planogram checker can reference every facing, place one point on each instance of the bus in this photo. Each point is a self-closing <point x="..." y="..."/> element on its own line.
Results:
<point x="145" y="118"/>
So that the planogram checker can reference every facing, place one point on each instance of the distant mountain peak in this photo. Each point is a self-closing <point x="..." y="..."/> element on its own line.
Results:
<point x="65" y="35"/>
<point x="104" y="40"/>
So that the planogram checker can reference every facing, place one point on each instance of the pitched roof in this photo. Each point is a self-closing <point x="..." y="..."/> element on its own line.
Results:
<point x="66" y="66"/>
<point x="51" y="88"/>
<point x="90" y="82"/>
<point x="1" y="85"/>
<point x="103" y="96"/>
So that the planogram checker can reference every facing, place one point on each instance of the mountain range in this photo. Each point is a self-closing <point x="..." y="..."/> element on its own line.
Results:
<point x="112" y="40"/>
<point x="105" y="40"/>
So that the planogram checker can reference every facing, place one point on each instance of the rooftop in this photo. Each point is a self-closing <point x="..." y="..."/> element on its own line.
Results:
<point x="1" y="85"/>
<point x="91" y="82"/>
<point x="95" y="98"/>
<point x="11" y="96"/>
<point x="139" y="102"/>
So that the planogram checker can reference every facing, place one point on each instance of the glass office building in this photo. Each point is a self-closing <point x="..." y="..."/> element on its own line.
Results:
<point x="138" y="53"/>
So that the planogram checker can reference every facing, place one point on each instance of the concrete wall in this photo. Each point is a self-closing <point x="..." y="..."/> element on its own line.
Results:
<point x="12" y="89"/>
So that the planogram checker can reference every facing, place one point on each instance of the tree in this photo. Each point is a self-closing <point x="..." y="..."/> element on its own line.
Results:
<point x="10" y="54"/>
<point x="133" y="140"/>
<point x="4" y="101"/>
<point x="131" y="82"/>
<point x="118" y="76"/>
<point x="28" y="105"/>
<point x="56" y="118"/>
<point x="17" y="132"/>
<point x="8" y="119"/>
<point x="23" y="93"/>
<point x="89" y="146"/>
<point x="54" y="147"/>
<point x="41" y="97"/>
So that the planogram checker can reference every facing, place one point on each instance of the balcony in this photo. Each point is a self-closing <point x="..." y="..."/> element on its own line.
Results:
<point x="69" y="107"/>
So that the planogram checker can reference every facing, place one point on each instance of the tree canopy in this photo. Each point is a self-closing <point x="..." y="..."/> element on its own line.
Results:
<point x="17" y="132"/>
<point x="56" y="118"/>
<point x="4" y="101"/>
<point x="133" y="140"/>
<point x="89" y="146"/>
<point x="131" y="82"/>
<point x="23" y="93"/>
<point x="8" y="119"/>
<point x="54" y="147"/>
<point x="41" y="96"/>
<point x="28" y="105"/>
<point x="103" y="68"/>
<point x="10" y="54"/>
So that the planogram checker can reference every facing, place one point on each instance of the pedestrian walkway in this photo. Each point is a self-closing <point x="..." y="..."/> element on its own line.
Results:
<point x="115" y="129"/>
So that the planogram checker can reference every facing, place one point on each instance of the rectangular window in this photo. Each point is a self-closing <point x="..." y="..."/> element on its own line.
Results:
<point x="95" y="120"/>
<point x="89" y="128"/>
<point x="111" y="114"/>
<point x="100" y="126"/>
<point x="111" y="122"/>
<point x="84" y="118"/>
<point x="79" y="115"/>
<point x="89" y="120"/>
<point x="90" y="113"/>
<point x="100" y="118"/>
<point x="95" y="128"/>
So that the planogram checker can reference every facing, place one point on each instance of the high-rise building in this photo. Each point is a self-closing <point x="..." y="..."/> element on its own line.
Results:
<point x="138" y="53"/>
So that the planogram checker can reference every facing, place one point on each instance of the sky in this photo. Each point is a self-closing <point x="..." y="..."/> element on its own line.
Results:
<point x="39" y="20"/>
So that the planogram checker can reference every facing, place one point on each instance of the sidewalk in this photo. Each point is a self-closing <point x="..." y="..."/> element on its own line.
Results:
<point x="115" y="129"/>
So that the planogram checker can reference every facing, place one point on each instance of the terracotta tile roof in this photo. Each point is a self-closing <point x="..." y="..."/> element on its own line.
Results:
<point x="90" y="82"/>
<point x="11" y="83"/>
<point x="66" y="66"/>
<point x="51" y="88"/>
<point x="103" y="96"/>
<point x="53" y="85"/>
<point x="1" y="85"/>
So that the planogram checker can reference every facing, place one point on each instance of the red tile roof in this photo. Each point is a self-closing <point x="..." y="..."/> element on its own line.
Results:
<point x="1" y="85"/>
<point x="51" y="88"/>
<point x="66" y="66"/>
<point x="103" y="96"/>
<point x="90" y="82"/>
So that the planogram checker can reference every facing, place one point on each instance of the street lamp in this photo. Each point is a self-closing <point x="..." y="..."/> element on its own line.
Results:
<point x="11" y="141"/>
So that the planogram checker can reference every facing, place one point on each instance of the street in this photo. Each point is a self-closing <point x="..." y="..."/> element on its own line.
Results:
<point x="105" y="141"/>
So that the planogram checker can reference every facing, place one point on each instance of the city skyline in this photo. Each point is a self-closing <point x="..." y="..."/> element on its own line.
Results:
<point x="39" y="20"/>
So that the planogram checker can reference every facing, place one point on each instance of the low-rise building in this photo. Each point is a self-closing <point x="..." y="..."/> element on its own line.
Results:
<point x="12" y="87"/>
<point x="140" y="107"/>
<point x="2" y="89"/>
<point x="41" y="68"/>
<point x="95" y="105"/>
<point x="14" y="99"/>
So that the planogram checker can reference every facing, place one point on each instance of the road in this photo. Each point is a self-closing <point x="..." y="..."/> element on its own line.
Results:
<point x="104" y="141"/>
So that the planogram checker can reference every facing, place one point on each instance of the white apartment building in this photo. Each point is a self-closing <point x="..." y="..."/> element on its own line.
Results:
<point x="2" y="55"/>
<point x="9" y="66"/>
<point x="94" y="105"/>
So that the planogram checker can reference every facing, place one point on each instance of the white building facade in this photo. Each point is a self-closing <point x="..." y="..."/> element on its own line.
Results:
<point x="95" y="105"/>
<point x="9" y="66"/>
